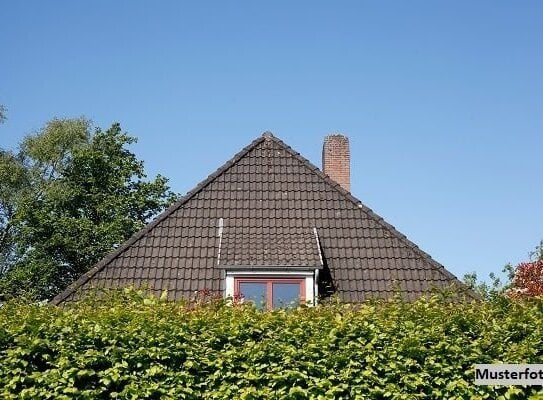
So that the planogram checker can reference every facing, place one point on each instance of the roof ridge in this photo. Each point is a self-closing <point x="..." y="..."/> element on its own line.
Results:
<point x="372" y="214"/>
<point x="59" y="298"/>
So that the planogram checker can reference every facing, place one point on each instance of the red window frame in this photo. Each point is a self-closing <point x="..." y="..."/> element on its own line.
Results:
<point x="269" y="281"/>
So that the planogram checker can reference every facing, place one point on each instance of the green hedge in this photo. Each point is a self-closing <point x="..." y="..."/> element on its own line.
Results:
<point x="129" y="346"/>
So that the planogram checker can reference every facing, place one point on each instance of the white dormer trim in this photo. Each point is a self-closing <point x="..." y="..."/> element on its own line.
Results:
<point x="311" y="294"/>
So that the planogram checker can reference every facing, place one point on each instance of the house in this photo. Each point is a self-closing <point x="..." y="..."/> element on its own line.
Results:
<point x="270" y="225"/>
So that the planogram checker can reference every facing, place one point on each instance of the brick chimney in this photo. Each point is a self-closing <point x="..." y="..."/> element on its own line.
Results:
<point x="336" y="160"/>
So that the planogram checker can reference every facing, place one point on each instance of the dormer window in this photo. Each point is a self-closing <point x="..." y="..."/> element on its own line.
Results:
<point x="271" y="292"/>
<point x="273" y="288"/>
<point x="271" y="268"/>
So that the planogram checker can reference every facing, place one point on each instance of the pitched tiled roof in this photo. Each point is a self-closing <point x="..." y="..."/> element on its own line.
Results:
<point x="265" y="187"/>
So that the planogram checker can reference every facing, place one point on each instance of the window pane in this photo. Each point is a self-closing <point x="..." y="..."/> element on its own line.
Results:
<point x="286" y="294"/>
<point x="254" y="291"/>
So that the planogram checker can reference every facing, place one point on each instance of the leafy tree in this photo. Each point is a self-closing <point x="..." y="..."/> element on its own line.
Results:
<point x="537" y="254"/>
<point x="2" y="113"/>
<point x="75" y="196"/>
<point x="14" y="185"/>
<point x="525" y="279"/>
<point x="26" y="176"/>
<point x="528" y="280"/>
<point x="492" y="289"/>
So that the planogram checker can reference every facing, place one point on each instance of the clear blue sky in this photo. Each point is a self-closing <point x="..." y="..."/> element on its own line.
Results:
<point x="442" y="101"/>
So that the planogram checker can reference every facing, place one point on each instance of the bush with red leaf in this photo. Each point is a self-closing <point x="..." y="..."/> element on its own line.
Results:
<point x="528" y="280"/>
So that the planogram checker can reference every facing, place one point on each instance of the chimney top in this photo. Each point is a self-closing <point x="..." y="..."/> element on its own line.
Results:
<point x="336" y="159"/>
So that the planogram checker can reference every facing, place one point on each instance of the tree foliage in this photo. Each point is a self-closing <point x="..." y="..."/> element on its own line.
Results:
<point x="70" y="194"/>
<point x="524" y="279"/>
<point x="494" y="287"/>
<point x="537" y="254"/>
<point x="129" y="346"/>
<point x="528" y="280"/>
<point x="528" y="276"/>
<point x="14" y="186"/>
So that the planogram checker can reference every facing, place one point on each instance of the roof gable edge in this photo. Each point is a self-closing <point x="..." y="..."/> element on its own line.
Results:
<point x="377" y="218"/>
<point x="59" y="298"/>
